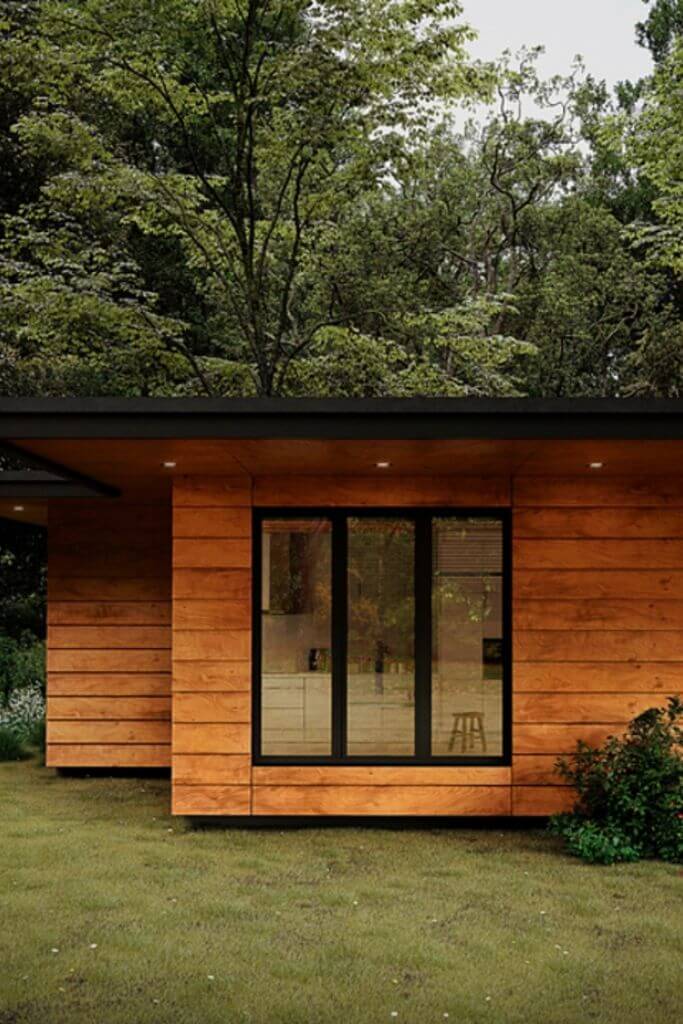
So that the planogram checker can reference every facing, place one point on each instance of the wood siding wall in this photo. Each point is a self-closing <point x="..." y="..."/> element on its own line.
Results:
<point x="212" y="646"/>
<point x="597" y="630"/>
<point x="212" y="771"/>
<point x="109" y="635"/>
<point x="597" y="614"/>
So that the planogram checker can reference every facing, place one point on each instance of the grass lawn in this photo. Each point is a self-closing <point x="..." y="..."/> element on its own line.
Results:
<point x="112" y="911"/>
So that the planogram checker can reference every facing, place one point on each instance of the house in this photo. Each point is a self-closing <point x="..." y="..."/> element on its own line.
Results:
<point x="365" y="609"/>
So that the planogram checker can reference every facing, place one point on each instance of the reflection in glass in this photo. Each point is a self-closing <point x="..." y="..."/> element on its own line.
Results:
<point x="296" y="637"/>
<point x="467" y="631"/>
<point x="381" y="632"/>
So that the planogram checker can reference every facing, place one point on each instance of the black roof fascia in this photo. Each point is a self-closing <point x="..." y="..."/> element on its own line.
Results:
<point x="343" y="419"/>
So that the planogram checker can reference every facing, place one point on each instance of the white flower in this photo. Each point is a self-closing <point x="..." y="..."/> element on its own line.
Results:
<point x="25" y="707"/>
<point x="54" y="950"/>
<point x="93" y="945"/>
<point x="211" y="977"/>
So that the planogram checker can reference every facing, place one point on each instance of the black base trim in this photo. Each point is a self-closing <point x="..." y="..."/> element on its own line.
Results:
<point x="398" y="822"/>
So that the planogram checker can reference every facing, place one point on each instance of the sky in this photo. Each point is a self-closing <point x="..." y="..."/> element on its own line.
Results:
<point x="602" y="31"/>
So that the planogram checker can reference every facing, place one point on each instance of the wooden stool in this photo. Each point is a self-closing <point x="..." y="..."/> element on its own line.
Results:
<point x="469" y="726"/>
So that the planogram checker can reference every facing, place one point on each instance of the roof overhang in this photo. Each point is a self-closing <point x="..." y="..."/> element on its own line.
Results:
<point x="103" y="447"/>
<point x="342" y="419"/>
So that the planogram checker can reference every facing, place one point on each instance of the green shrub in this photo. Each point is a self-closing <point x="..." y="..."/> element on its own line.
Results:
<point x="630" y="792"/>
<point x="23" y="714"/>
<point x="22" y="664"/>
<point x="35" y="734"/>
<point x="11" y="746"/>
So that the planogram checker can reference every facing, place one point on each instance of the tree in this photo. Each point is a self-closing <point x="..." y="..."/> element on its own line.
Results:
<point x="661" y="28"/>
<point x="266" y="119"/>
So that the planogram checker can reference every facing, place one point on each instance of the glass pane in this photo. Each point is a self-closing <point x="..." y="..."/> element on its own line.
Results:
<point x="381" y="645"/>
<point x="296" y="637"/>
<point x="467" y="637"/>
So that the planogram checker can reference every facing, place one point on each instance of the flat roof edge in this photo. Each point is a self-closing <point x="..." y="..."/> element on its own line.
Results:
<point x="342" y="419"/>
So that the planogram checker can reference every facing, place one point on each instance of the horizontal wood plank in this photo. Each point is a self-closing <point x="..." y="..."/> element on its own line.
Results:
<point x="98" y="541"/>
<point x="108" y="563"/>
<point x="226" y="738"/>
<point x="212" y="522"/>
<point x="565" y="523"/>
<point x="598" y="677"/>
<point x="213" y="614"/>
<point x="201" y="645"/>
<point x="381" y="800"/>
<point x="212" y="707"/>
<point x="597" y="613"/>
<point x="590" y="645"/>
<point x="108" y="732"/>
<point x="109" y="684"/>
<point x="211" y="584"/>
<point x="598" y="554"/>
<point x="592" y="708"/>
<point x="108" y="755"/>
<point x="135" y="588"/>
<point x="210" y="800"/>
<point x="599" y="491"/>
<point x="210" y="553"/>
<point x="203" y="769"/>
<point x="379" y="775"/>
<point x="559" y="739"/>
<point x="119" y="661"/>
<point x="221" y="676"/>
<point x="211" y="491"/>
<point x="541" y="800"/>
<point x="109" y="637"/>
<point x="109" y="613"/>
<point x="323" y="491"/>
<point x="632" y="583"/>
<point x="535" y="770"/>
<point x="112" y="708"/>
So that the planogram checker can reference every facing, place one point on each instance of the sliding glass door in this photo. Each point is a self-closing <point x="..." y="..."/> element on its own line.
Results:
<point x="380" y="663"/>
<point x="381" y="637"/>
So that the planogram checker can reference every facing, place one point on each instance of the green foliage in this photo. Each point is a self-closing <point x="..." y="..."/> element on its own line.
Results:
<point x="278" y="198"/>
<point x="630" y="792"/>
<point x="22" y="665"/>
<point x="655" y="141"/>
<point x="36" y="734"/>
<point x="11" y="746"/>
<point x="662" y="26"/>
<point x="23" y="556"/>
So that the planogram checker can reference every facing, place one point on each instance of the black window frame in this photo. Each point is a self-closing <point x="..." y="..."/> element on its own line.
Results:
<point x="422" y="516"/>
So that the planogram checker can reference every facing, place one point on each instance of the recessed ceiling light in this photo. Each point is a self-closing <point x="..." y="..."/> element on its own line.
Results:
<point x="169" y="465"/>
<point x="382" y="465"/>
<point x="595" y="465"/>
<point x="18" y="508"/>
